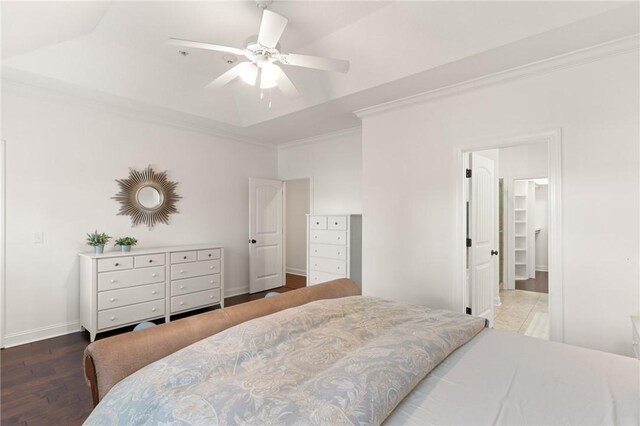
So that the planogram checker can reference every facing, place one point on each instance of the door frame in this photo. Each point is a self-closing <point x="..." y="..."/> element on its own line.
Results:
<point x="3" y="237"/>
<point x="553" y="138"/>
<point x="510" y="278"/>
<point x="284" y="217"/>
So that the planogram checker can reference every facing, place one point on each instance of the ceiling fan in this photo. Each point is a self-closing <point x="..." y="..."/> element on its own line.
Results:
<point x="263" y="54"/>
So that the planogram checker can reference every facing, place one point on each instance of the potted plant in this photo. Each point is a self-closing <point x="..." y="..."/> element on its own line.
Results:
<point x="125" y="243"/>
<point x="97" y="241"/>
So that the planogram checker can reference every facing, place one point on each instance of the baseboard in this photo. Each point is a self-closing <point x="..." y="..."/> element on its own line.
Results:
<point x="296" y="271"/>
<point x="542" y="268"/>
<point x="236" y="291"/>
<point x="33" y="335"/>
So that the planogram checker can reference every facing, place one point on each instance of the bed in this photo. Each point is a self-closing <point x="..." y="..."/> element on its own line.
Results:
<point x="362" y="360"/>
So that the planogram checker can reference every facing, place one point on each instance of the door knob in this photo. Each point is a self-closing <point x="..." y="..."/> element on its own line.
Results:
<point x="252" y="241"/>
<point x="494" y="252"/>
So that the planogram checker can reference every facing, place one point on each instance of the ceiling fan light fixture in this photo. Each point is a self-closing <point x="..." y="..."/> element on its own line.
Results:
<point x="249" y="74"/>
<point x="268" y="75"/>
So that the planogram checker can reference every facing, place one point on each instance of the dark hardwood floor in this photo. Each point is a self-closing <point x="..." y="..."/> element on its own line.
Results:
<point x="42" y="383"/>
<point x="539" y="284"/>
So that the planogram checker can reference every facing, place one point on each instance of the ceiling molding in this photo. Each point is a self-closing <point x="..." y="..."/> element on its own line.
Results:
<point x="122" y="107"/>
<point x="320" y="138"/>
<point x="571" y="59"/>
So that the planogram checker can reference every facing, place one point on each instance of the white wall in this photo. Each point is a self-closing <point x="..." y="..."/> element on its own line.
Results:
<point x="542" y="222"/>
<point x="410" y="177"/>
<point x="296" y="208"/>
<point x="334" y="163"/>
<point x="62" y="162"/>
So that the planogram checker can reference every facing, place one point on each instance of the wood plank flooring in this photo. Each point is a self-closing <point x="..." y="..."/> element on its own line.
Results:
<point x="539" y="284"/>
<point x="42" y="383"/>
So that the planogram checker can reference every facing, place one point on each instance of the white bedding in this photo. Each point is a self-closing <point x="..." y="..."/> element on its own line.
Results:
<point x="509" y="379"/>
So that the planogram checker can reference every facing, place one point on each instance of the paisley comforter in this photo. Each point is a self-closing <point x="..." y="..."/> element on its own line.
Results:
<point x="341" y="361"/>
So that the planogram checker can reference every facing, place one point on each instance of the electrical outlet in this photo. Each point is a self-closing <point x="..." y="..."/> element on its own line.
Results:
<point x="38" y="238"/>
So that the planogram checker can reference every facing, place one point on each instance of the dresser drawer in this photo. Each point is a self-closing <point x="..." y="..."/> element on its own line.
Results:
<point x="316" y="277"/>
<point x="191" y="285"/>
<point x="148" y="260"/>
<point x="194" y="269"/>
<point x="194" y="300"/>
<point x="328" y="237"/>
<point x="328" y="265"/>
<point x="329" y="251"/>
<point x="132" y="277"/>
<point x="184" y="256"/>
<point x="208" y="254"/>
<point x="115" y="263"/>
<point x="338" y="223"/>
<point x="317" y="222"/>
<point x="129" y="296"/>
<point x="130" y="314"/>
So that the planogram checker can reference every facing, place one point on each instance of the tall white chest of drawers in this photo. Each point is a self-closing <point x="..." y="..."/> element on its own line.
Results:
<point x="121" y="289"/>
<point x="334" y="248"/>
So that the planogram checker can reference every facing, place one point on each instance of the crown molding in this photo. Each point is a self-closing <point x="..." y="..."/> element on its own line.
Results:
<point x="122" y="107"/>
<point x="320" y="138"/>
<point x="567" y="60"/>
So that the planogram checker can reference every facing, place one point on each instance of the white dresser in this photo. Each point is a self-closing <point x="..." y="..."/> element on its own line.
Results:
<point x="334" y="248"/>
<point x="120" y="289"/>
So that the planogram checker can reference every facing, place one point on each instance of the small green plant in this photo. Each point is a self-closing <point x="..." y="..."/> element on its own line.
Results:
<point x="96" y="239"/>
<point x="126" y="241"/>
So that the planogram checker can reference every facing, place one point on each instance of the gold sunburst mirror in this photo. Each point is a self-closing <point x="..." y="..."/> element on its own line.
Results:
<point x="147" y="196"/>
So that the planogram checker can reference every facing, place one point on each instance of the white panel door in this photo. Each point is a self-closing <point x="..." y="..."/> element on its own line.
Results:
<point x="265" y="235"/>
<point x="483" y="252"/>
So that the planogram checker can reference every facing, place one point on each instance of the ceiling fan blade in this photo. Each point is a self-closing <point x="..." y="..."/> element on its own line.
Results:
<point x="230" y="75"/>
<point x="207" y="46"/>
<point x="271" y="28"/>
<point x="306" y="61"/>
<point x="285" y="85"/>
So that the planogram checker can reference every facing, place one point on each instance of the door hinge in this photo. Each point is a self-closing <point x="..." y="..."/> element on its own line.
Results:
<point x="468" y="173"/>
<point x="468" y="311"/>
<point x="468" y="242"/>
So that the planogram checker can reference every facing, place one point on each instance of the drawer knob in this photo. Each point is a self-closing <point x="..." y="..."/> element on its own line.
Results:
<point x="338" y="267"/>
<point x="182" y="271"/>
<point x="154" y="309"/>
<point x="150" y="260"/>
<point x="209" y="254"/>
<point x="338" y="252"/>
<point x="335" y="223"/>
<point x="154" y="292"/>
<point x="315" y="236"/>
<point x="210" y="267"/>
<point x="315" y="264"/>
<point x="181" y="287"/>
<point x="113" y="299"/>
<point x="185" y="257"/>
<point x="211" y="296"/>
<point x="181" y="303"/>
<point x="338" y="237"/>
<point x="634" y="342"/>
<point x="112" y="319"/>
<point x="117" y="264"/>
<point x="113" y="281"/>
<point x="317" y="223"/>
<point x="154" y="275"/>
<point x="211" y="282"/>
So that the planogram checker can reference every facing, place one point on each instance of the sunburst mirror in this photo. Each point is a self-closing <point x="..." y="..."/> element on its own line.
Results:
<point x="147" y="196"/>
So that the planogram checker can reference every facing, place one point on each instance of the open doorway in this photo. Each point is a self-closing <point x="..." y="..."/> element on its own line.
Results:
<point x="297" y="203"/>
<point x="507" y="237"/>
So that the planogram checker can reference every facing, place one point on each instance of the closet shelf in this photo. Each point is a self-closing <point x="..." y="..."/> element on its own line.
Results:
<point x="520" y="221"/>
<point x="521" y="249"/>
<point x="520" y="210"/>
<point x="521" y="263"/>
<point x="520" y="235"/>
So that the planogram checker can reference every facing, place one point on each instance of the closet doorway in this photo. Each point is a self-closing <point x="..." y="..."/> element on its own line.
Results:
<point x="520" y="227"/>
<point x="297" y="205"/>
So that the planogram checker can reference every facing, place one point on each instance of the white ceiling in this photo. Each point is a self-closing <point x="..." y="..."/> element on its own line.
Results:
<point x="117" y="50"/>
